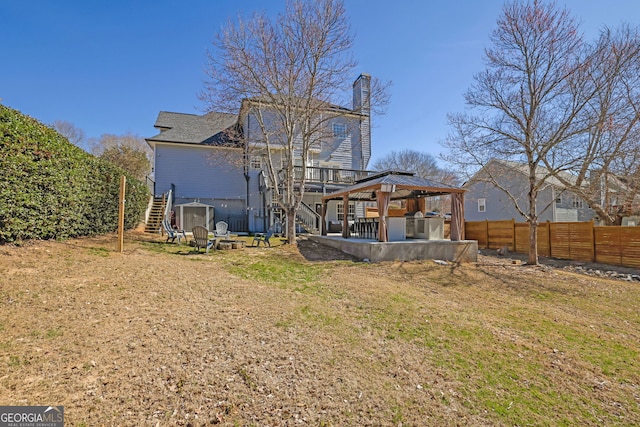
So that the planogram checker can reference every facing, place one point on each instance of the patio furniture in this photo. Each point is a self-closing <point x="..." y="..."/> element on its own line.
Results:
<point x="367" y="228"/>
<point x="173" y="233"/>
<point x="201" y="239"/>
<point x="335" y="227"/>
<point x="261" y="237"/>
<point x="222" y="230"/>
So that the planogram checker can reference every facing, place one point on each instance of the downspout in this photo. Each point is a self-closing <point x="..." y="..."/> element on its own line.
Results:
<point x="247" y="179"/>
<point x="263" y="191"/>
<point x="246" y="174"/>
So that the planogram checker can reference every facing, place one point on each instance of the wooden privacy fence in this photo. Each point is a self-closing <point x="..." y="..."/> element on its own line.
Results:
<point x="580" y="241"/>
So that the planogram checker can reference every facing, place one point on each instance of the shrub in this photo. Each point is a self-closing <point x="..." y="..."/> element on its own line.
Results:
<point x="51" y="189"/>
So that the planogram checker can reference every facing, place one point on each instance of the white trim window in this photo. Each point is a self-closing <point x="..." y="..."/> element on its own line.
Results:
<point x="339" y="130"/>
<point x="256" y="162"/>
<point x="351" y="214"/>
<point x="577" y="202"/>
<point x="482" y="205"/>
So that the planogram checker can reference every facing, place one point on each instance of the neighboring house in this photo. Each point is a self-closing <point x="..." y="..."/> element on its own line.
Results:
<point x="619" y="195"/>
<point x="203" y="160"/>
<point x="486" y="201"/>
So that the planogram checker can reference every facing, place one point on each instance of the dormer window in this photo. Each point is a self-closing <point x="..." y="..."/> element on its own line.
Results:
<point x="339" y="130"/>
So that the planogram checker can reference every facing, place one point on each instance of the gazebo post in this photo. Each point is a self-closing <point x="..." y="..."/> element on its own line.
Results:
<point x="422" y="205"/>
<point x="345" y="216"/>
<point x="457" y="216"/>
<point x="382" y="200"/>
<point x="323" y="217"/>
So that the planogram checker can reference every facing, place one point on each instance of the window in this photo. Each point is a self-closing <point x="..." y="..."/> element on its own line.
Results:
<point x="256" y="162"/>
<point x="482" y="205"/>
<point x="351" y="214"/>
<point x="283" y="162"/>
<point x="577" y="202"/>
<point x="339" y="130"/>
<point x="559" y="200"/>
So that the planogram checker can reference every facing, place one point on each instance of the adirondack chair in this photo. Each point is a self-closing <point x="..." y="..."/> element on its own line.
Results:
<point x="173" y="233"/>
<point x="201" y="239"/>
<point x="222" y="230"/>
<point x="262" y="237"/>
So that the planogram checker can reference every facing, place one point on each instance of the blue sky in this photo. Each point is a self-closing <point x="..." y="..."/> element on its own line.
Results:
<point x="110" y="67"/>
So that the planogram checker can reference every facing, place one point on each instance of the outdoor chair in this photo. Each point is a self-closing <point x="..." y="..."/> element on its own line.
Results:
<point x="173" y="233"/>
<point x="222" y="230"/>
<point x="262" y="237"/>
<point x="201" y="239"/>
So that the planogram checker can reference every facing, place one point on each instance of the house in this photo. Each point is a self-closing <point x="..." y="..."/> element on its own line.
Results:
<point x="486" y="201"/>
<point x="619" y="195"/>
<point x="213" y="170"/>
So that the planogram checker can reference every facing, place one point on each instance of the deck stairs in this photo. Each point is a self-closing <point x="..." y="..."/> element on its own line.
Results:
<point x="156" y="215"/>
<point x="307" y="218"/>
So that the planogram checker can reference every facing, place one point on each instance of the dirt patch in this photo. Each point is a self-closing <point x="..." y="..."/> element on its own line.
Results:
<point x="314" y="251"/>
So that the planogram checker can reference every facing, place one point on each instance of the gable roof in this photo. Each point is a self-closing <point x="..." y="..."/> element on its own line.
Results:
<point x="208" y="129"/>
<point x="542" y="173"/>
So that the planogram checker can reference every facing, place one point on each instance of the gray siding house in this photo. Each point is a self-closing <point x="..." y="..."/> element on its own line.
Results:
<point x="203" y="162"/>
<point x="484" y="200"/>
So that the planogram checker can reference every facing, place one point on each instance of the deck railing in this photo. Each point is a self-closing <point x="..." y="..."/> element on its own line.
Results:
<point x="315" y="174"/>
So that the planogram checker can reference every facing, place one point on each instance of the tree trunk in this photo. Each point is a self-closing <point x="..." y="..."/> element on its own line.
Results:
<point x="291" y="226"/>
<point x="533" y="243"/>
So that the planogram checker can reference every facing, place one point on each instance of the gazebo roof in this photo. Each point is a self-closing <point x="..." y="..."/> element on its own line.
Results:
<point x="403" y="185"/>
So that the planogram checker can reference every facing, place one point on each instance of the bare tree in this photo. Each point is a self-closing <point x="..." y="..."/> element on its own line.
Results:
<point x="528" y="103"/>
<point x="603" y="162"/>
<point x="74" y="134"/>
<point x="290" y="75"/>
<point x="423" y="165"/>
<point x="128" y="151"/>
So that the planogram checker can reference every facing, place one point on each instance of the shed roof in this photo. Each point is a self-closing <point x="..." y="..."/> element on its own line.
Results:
<point x="404" y="184"/>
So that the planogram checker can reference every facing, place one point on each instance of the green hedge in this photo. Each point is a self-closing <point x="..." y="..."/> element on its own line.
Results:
<point x="51" y="189"/>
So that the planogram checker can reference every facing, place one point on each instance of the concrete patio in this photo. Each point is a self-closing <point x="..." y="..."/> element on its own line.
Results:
<point x="405" y="250"/>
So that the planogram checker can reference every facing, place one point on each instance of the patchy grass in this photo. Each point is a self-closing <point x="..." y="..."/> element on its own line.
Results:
<point x="263" y="336"/>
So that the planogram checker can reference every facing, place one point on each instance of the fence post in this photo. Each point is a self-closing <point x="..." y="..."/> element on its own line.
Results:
<point x="549" y="239"/>
<point x="593" y="242"/>
<point x="513" y="233"/>
<point x="123" y="186"/>
<point x="486" y="232"/>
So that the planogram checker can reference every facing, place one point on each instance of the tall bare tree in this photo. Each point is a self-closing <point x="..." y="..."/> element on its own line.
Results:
<point x="603" y="162"/>
<point x="528" y="105"/>
<point x="290" y="74"/>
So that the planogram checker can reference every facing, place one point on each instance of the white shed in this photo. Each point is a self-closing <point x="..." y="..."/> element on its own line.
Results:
<point x="188" y="215"/>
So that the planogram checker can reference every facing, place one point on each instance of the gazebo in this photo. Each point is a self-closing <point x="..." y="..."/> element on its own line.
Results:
<point x="395" y="185"/>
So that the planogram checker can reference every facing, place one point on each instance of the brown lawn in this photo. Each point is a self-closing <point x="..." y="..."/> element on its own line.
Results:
<point x="162" y="336"/>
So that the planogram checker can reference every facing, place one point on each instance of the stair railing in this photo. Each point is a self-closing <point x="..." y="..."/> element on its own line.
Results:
<point x="168" y="205"/>
<point x="307" y="217"/>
